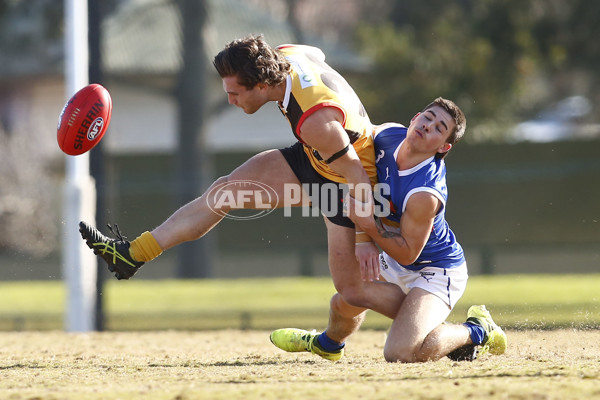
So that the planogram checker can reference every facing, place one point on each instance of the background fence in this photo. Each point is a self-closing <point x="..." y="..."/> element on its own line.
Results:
<point x="515" y="209"/>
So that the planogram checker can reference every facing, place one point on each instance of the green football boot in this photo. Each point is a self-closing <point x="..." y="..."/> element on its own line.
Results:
<point x="295" y="340"/>
<point x="495" y="340"/>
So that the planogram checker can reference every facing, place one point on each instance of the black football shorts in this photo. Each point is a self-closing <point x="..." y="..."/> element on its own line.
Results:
<point x="306" y="174"/>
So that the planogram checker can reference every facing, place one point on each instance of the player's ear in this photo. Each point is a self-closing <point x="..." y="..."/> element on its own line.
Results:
<point x="444" y="148"/>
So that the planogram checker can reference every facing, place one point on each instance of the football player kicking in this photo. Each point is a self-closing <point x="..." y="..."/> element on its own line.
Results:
<point x="334" y="148"/>
<point x="420" y="253"/>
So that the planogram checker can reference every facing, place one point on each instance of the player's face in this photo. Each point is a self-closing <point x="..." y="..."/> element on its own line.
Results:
<point x="249" y="100"/>
<point x="428" y="131"/>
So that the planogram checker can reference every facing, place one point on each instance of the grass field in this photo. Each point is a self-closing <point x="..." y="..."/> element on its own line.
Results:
<point x="516" y="301"/>
<point x="209" y="340"/>
<point x="232" y="364"/>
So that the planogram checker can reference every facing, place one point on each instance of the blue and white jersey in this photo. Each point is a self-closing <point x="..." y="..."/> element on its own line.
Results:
<point x="441" y="250"/>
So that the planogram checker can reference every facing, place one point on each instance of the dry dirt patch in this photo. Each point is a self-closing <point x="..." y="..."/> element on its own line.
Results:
<point x="563" y="364"/>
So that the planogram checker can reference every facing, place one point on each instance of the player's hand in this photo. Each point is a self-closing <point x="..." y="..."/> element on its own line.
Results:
<point x="360" y="213"/>
<point x="367" y="255"/>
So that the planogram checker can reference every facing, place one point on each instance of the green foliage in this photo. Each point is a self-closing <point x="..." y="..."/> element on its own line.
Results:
<point x="500" y="60"/>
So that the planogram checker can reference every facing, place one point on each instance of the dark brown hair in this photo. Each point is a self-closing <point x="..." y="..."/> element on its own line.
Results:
<point x="457" y="115"/>
<point x="253" y="61"/>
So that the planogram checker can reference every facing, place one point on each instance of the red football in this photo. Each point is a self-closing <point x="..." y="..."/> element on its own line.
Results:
<point x="84" y="119"/>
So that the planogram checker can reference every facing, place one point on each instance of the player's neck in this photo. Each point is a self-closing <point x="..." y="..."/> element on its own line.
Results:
<point x="277" y="93"/>
<point x="408" y="157"/>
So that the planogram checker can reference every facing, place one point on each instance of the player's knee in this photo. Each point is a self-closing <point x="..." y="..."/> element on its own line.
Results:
<point x="339" y="308"/>
<point x="353" y="295"/>
<point x="339" y="304"/>
<point x="399" y="354"/>
<point x="409" y="353"/>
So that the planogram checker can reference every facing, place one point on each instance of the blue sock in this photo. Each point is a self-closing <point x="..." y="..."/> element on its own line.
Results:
<point x="327" y="344"/>
<point x="476" y="332"/>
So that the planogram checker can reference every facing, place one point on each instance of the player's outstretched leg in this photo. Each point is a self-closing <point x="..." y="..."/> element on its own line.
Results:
<point x="114" y="251"/>
<point x="495" y="340"/>
<point x="294" y="340"/>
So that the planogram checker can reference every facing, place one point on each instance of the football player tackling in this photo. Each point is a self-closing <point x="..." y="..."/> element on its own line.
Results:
<point x="335" y="147"/>
<point x="420" y="252"/>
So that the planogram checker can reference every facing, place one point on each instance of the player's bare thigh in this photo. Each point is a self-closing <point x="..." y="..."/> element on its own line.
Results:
<point x="270" y="168"/>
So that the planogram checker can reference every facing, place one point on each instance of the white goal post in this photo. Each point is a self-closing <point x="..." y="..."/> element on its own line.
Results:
<point x="79" y="264"/>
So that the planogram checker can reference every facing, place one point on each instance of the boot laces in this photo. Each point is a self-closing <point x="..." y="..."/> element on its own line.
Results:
<point x="116" y="232"/>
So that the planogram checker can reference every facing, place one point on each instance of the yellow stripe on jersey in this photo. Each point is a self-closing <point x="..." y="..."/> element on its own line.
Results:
<point x="314" y="85"/>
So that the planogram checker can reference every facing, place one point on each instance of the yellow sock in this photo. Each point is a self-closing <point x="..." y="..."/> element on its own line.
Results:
<point x="145" y="248"/>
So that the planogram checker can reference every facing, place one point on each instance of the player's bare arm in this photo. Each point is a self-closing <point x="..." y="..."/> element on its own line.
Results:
<point x="415" y="227"/>
<point x="324" y="132"/>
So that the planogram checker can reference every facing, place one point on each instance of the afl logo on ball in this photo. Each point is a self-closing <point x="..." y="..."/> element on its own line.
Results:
<point x="95" y="128"/>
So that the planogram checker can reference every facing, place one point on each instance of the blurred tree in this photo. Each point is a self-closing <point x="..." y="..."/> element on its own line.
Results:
<point x="565" y="33"/>
<point x="30" y="35"/>
<point x="28" y="203"/>
<point x="30" y="41"/>
<point x="192" y="161"/>
<point x="499" y="59"/>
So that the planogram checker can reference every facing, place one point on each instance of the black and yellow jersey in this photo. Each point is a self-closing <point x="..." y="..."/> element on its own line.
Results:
<point x="312" y="85"/>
